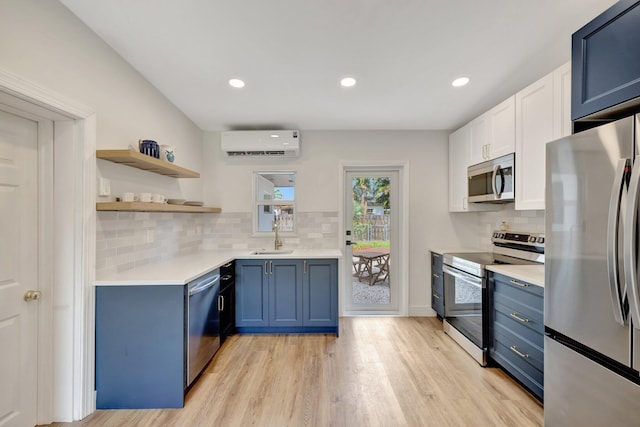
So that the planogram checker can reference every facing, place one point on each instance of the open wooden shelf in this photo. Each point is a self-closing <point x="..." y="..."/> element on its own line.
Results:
<point x="147" y="163"/>
<point x="152" y="207"/>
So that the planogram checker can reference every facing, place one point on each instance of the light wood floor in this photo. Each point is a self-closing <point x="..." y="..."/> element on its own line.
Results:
<point x="379" y="372"/>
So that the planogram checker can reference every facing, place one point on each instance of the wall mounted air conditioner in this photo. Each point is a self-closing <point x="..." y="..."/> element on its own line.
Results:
<point x="276" y="143"/>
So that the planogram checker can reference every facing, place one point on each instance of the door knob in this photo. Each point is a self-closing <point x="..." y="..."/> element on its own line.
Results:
<point x="31" y="295"/>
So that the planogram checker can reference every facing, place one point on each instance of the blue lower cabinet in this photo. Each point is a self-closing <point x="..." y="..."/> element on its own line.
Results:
<point x="285" y="292"/>
<point x="140" y="347"/>
<point x="320" y="293"/>
<point x="517" y="330"/>
<point x="252" y="293"/>
<point x="287" y="296"/>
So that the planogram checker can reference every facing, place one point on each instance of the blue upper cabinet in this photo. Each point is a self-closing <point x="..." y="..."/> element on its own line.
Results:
<point x="606" y="65"/>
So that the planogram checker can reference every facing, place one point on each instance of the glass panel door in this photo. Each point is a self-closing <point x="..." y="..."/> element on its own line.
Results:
<point x="370" y="202"/>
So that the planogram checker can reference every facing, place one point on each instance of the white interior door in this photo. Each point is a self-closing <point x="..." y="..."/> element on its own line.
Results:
<point x="18" y="269"/>
<point x="372" y="223"/>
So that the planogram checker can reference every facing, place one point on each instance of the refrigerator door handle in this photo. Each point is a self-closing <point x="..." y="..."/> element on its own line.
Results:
<point x="613" y="228"/>
<point x="629" y="244"/>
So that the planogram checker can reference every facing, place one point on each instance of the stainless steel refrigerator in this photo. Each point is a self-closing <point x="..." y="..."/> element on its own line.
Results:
<point x="592" y="311"/>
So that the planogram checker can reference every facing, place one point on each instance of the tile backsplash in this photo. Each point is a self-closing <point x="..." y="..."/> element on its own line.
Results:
<point x="125" y="240"/>
<point x="509" y="219"/>
<point x="315" y="230"/>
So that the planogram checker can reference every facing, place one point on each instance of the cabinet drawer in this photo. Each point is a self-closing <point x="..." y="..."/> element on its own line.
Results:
<point x="437" y="283"/>
<point x="517" y="366"/>
<point x="437" y="303"/>
<point x="436" y="263"/>
<point x="517" y="316"/>
<point x="518" y="285"/>
<point x="506" y="321"/>
<point x="532" y="349"/>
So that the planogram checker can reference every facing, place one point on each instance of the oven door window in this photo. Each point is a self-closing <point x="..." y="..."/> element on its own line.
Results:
<point x="463" y="293"/>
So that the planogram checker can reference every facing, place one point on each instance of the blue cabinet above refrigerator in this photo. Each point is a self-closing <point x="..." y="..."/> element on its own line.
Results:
<point x="606" y="66"/>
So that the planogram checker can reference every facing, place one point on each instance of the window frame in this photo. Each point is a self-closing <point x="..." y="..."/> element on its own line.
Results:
<point x="272" y="203"/>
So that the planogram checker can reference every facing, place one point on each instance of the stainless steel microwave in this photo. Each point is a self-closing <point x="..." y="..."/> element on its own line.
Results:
<point x="492" y="181"/>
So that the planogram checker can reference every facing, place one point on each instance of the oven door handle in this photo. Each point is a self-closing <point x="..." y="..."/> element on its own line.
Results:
<point x="469" y="278"/>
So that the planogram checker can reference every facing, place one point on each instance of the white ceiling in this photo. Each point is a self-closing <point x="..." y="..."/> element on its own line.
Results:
<point x="292" y="54"/>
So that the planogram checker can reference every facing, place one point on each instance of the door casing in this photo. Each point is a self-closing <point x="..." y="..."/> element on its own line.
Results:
<point x="66" y="161"/>
<point x="401" y="252"/>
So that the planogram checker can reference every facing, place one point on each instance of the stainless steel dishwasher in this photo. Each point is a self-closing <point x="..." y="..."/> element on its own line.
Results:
<point x="204" y="323"/>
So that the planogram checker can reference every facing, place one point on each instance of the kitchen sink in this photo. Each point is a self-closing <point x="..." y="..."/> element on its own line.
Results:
<point x="272" y="252"/>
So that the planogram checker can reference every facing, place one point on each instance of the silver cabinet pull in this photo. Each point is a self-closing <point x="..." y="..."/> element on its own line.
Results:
<point x="519" y="353"/>
<point x="437" y="276"/>
<point x="266" y="267"/>
<point x="521" y="319"/>
<point x="220" y="303"/>
<point x="515" y="282"/>
<point x="305" y="266"/>
<point x="32" y="295"/>
<point x="436" y="296"/>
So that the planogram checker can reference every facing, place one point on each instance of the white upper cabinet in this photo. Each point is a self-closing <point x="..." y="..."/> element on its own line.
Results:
<point x="459" y="155"/>
<point x="543" y="113"/>
<point x="502" y="131"/>
<point x="562" y="101"/>
<point x="534" y="128"/>
<point x="492" y="133"/>
<point x="523" y="124"/>
<point x="478" y="135"/>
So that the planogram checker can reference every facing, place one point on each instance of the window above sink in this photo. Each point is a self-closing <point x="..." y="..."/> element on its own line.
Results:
<point x="274" y="201"/>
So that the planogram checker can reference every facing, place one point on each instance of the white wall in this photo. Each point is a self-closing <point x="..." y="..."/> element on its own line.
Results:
<point x="228" y="185"/>
<point x="45" y="43"/>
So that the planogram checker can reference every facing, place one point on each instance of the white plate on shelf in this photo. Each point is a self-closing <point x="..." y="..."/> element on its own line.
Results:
<point x="194" y="203"/>
<point x="176" y="201"/>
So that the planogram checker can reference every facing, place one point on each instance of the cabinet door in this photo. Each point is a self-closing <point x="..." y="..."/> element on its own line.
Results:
<point x="562" y="101"/>
<point x="604" y="53"/>
<point x="285" y="292"/>
<point x="479" y="140"/>
<point x="320" y="293"/>
<point x="252" y="293"/>
<point x="501" y="126"/>
<point x="459" y="157"/>
<point x="534" y="128"/>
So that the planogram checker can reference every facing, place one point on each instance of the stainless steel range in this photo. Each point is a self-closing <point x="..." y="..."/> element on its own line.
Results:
<point x="466" y="310"/>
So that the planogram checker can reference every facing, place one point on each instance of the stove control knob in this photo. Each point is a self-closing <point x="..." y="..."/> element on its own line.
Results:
<point x="495" y="235"/>
<point x="532" y="239"/>
<point x="502" y="235"/>
<point x="540" y="239"/>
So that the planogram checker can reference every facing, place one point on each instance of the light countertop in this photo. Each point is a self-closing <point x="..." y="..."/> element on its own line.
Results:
<point x="181" y="270"/>
<point x="456" y="251"/>
<point x="533" y="274"/>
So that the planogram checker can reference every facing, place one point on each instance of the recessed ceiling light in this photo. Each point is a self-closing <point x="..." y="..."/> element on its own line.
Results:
<point x="348" y="82"/>
<point x="460" y="82"/>
<point x="236" y="83"/>
<point x="274" y="135"/>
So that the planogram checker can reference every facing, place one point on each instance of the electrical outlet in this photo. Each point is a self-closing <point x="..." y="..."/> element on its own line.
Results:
<point x="105" y="187"/>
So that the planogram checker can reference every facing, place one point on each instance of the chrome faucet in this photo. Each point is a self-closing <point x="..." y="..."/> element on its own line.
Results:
<point x="277" y="244"/>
